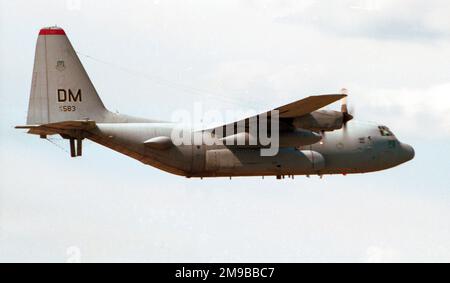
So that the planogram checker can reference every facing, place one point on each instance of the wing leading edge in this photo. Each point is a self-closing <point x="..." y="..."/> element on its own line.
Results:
<point x="296" y="109"/>
<point x="308" y="105"/>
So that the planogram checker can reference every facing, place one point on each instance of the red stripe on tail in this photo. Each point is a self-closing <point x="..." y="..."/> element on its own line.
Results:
<point x="48" y="31"/>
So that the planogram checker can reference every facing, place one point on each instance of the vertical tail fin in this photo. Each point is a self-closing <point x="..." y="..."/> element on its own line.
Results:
<point x="61" y="89"/>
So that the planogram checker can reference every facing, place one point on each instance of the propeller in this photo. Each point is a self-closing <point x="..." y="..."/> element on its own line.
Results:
<point x="346" y="114"/>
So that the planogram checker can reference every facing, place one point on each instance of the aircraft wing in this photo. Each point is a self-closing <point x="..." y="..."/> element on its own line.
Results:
<point x="296" y="109"/>
<point x="308" y="105"/>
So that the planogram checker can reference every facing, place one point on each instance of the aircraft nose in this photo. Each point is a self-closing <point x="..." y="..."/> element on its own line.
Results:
<point x="408" y="152"/>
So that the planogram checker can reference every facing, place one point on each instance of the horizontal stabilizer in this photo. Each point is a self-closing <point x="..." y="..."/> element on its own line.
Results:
<point x="58" y="128"/>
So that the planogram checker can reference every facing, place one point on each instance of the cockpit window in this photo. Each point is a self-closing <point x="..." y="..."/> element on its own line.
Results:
<point x="385" y="132"/>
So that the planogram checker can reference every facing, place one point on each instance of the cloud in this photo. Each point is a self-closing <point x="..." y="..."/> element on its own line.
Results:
<point x="421" y="112"/>
<point x="405" y="109"/>
<point x="376" y="19"/>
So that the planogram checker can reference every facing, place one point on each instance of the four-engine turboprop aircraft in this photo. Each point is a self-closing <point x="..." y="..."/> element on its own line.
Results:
<point x="311" y="141"/>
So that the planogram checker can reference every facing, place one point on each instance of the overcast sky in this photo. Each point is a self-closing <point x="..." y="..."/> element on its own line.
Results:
<point x="153" y="57"/>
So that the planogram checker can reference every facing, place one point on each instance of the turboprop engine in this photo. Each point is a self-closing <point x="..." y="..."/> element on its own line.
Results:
<point x="325" y="120"/>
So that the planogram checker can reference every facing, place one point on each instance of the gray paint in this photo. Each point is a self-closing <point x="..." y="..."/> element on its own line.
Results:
<point x="354" y="148"/>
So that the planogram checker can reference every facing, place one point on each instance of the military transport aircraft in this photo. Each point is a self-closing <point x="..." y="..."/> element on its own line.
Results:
<point x="311" y="141"/>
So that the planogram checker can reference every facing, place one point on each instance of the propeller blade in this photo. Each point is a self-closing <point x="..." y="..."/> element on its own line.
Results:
<point x="344" y="109"/>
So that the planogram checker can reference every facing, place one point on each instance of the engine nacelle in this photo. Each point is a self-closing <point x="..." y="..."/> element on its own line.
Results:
<point x="322" y="120"/>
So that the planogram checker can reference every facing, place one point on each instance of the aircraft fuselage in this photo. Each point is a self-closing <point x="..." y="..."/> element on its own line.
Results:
<point x="358" y="148"/>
